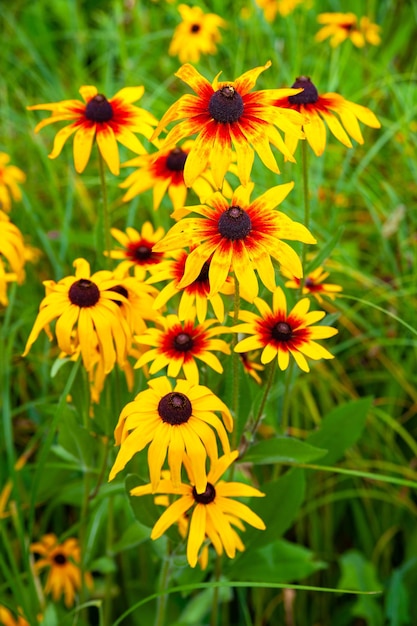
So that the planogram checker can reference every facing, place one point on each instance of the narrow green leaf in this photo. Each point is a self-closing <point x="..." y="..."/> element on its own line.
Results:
<point x="283" y="450"/>
<point x="325" y="252"/>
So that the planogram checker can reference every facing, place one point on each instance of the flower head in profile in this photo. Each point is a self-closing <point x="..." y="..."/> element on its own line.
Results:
<point x="163" y="172"/>
<point x="226" y="114"/>
<point x="196" y="294"/>
<point x="87" y="315"/>
<point x="174" y="421"/>
<point x="214" y="512"/>
<point x="272" y="8"/>
<point x="10" y="177"/>
<point x="137" y="247"/>
<point x="63" y="560"/>
<point x="314" y="284"/>
<point x="280" y="334"/>
<point x="197" y="34"/>
<point x="238" y="235"/>
<point x="319" y="112"/>
<point x="108" y="121"/>
<point x="342" y="26"/>
<point x="177" y="344"/>
<point x="251" y="365"/>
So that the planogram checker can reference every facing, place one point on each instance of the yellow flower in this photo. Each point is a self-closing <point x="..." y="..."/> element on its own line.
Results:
<point x="63" y="561"/>
<point x="10" y="176"/>
<point x="238" y="235"/>
<point x="342" y="26"/>
<point x="282" y="7"/>
<point x="197" y="34"/>
<point x="314" y="284"/>
<point x="108" y="121"/>
<point x="7" y="618"/>
<point x="87" y="303"/>
<point x="174" y="421"/>
<point x="177" y="344"/>
<point x="319" y="111"/>
<point x="223" y="114"/>
<point x="280" y="334"/>
<point x="12" y="256"/>
<point x="214" y="511"/>
<point x="137" y="247"/>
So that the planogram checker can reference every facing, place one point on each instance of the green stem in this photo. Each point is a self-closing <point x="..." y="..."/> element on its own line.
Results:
<point x="306" y="196"/>
<point x="268" y="386"/>
<point x="163" y="584"/>
<point x="235" y="362"/>
<point x="286" y="402"/>
<point x="215" y="610"/>
<point x="104" y="244"/>
<point x="109" y="577"/>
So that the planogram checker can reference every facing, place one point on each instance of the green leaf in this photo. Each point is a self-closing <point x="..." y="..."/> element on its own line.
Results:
<point x="283" y="450"/>
<point x="134" y="535"/>
<point x="279" y="508"/>
<point x="398" y="597"/>
<point x="359" y="574"/>
<point x="340" y="429"/>
<point x="76" y="440"/>
<point x="104" y="565"/>
<point x="280" y="562"/>
<point x="325" y="252"/>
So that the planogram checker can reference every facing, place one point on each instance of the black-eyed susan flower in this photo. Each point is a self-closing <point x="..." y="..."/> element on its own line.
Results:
<point x="319" y="112"/>
<point x="197" y="34"/>
<point x="280" y="334"/>
<point x="272" y="8"/>
<point x="214" y="512"/>
<point x="251" y="366"/>
<point x="197" y="293"/>
<point x="342" y="26"/>
<point x="87" y="315"/>
<point x="12" y="256"/>
<point x="164" y="173"/>
<point x="63" y="560"/>
<point x="137" y="247"/>
<point x="223" y="114"/>
<point x="10" y="177"/>
<point x="139" y="297"/>
<point x="177" y="344"/>
<point x="108" y="121"/>
<point x="174" y="421"/>
<point x="315" y="284"/>
<point x="8" y="619"/>
<point x="238" y="235"/>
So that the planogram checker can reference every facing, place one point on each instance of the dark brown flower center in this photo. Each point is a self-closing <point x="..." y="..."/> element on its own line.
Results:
<point x="175" y="408"/>
<point x="59" y="558"/>
<point x="234" y="223"/>
<point x="226" y="105"/>
<point x="176" y="160"/>
<point x="281" y="332"/>
<point x="183" y="342"/>
<point x="84" y="293"/>
<point x="99" y="109"/>
<point x="310" y="95"/>
<point x="139" y="251"/>
<point x="122" y="291"/>
<point x="195" y="28"/>
<point x="207" y="496"/>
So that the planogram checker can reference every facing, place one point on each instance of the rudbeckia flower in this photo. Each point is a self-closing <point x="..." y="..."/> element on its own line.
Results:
<point x="197" y="34"/>
<point x="137" y="247"/>
<point x="314" y="284"/>
<point x="177" y="344"/>
<point x="10" y="176"/>
<point x="139" y="298"/>
<point x="223" y="114"/>
<point x="214" y="512"/>
<point x="250" y="365"/>
<point x="108" y="121"/>
<point x="319" y="111"/>
<point x="7" y="619"/>
<point x="88" y="304"/>
<point x="197" y="293"/>
<point x="280" y="334"/>
<point x="12" y="256"/>
<point x="238" y="235"/>
<point x="63" y="561"/>
<point x="281" y="7"/>
<point x="164" y="172"/>
<point x="174" y="421"/>
<point x="342" y="26"/>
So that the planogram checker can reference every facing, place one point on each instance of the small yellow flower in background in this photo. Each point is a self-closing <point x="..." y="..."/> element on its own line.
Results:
<point x="12" y="256"/>
<point x="63" y="561"/>
<point x="281" y="334"/>
<point x="173" y="421"/>
<point x="7" y="618"/>
<point x="319" y="111"/>
<point x="226" y="114"/>
<point x="10" y="176"/>
<point x="197" y="34"/>
<point x="87" y="303"/>
<point x="250" y="365"/>
<point x="214" y="511"/>
<point x="137" y="247"/>
<point x="108" y="121"/>
<point x="238" y="235"/>
<point x="197" y="293"/>
<point x="164" y="173"/>
<point x="177" y="344"/>
<point x="314" y="284"/>
<point x="281" y="7"/>
<point x="342" y="26"/>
